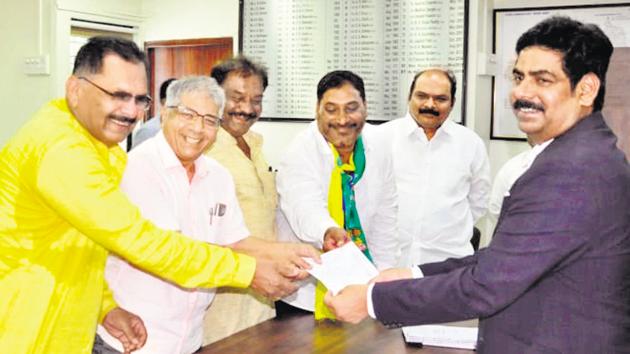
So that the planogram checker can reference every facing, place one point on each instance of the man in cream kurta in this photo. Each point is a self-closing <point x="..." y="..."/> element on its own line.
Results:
<point x="239" y="150"/>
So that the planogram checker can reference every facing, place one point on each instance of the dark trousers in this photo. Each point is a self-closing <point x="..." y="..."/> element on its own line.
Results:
<point x="100" y="347"/>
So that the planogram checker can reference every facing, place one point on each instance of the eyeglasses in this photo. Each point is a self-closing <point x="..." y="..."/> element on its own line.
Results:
<point x="190" y="115"/>
<point x="143" y="102"/>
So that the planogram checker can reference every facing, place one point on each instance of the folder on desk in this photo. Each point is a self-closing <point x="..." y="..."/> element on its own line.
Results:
<point x="462" y="335"/>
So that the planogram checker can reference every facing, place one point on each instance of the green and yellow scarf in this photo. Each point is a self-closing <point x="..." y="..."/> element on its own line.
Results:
<point x="343" y="209"/>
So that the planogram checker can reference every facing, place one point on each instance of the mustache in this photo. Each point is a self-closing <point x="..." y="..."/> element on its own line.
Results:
<point x="429" y="111"/>
<point x="247" y="116"/>
<point x="123" y="119"/>
<point x="518" y="104"/>
<point x="347" y="125"/>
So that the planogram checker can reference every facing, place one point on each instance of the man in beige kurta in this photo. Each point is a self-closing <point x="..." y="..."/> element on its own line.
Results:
<point x="240" y="151"/>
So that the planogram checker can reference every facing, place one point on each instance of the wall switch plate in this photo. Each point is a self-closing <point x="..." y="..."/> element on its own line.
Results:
<point x="486" y="64"/>
<point x="37" y="65"/>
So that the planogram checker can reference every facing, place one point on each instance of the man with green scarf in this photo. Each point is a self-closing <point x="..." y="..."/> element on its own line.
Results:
<point x="335" y="186"/>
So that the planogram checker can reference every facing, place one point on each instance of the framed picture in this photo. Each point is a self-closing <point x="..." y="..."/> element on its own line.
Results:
<point x="509" y="24"/>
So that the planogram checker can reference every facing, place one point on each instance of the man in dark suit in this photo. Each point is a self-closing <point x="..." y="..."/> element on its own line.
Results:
<point x="556" y="277"/>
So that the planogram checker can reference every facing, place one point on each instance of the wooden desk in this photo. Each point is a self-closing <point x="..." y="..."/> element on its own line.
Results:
<point x="302" y="334"/>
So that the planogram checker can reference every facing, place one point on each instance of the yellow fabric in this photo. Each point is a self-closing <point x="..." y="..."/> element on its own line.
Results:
<point x="335" y="191"/>
<point x="61" y="210"/>
<point x="335" y="209"/>
<point x="233" y="310"/>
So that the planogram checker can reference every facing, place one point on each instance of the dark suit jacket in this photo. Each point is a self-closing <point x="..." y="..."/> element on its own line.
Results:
<point x="556" y="276"/>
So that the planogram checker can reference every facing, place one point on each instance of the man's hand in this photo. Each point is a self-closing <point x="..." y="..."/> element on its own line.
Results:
<point x="289" y="257"/>
<point x="335" y="237"/>
<point x="392" y="274"/>
<point x="270" y="281"/>
<point x="127" y="328"/>
<point x="350" y="305"/>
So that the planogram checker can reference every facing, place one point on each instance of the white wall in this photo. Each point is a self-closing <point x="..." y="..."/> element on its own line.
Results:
<point x="23" y="28"/>
<point x="167" y="19"/>
<point x="42" y="27"/>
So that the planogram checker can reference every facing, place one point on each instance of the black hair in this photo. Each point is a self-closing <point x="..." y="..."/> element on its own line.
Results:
<point x="448" y="73"/>
<point x="163" y="88"/>
<point x="242" y="66"/>
<point x="584" y="47"/>
<point x="89" y="59"/>
<point x="338" y="78"/>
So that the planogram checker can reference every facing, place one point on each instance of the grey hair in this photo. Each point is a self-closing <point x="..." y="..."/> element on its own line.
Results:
<point x="203" y="84"/>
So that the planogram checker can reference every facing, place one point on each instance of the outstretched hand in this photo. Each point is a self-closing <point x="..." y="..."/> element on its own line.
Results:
<point x="350" y="304"/>
<point x="270" y="281"/>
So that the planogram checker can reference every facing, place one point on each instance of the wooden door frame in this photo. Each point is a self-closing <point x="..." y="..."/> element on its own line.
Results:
<point x="201" y="42"/>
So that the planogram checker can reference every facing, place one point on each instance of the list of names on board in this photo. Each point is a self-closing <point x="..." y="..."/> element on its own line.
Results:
<point x="385" y="42"/>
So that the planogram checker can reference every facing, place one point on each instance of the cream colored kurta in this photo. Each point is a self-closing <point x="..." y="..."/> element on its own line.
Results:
<point x="236" y="309"/>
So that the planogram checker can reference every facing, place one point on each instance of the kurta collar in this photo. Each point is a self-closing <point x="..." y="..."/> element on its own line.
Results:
<point x="252" y="139"/>
<point x="413" y="129"/>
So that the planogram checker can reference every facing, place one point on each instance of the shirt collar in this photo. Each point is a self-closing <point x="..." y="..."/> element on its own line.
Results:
<point x="171" y="161"/>
<point x="534" y="152"/>
<point x="252" y="139"/>
<point x="413" y="129"/>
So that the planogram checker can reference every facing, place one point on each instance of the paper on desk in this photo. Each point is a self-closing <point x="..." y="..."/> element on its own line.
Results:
<point x="341" y="267"/>
<point x="461" y="335"/>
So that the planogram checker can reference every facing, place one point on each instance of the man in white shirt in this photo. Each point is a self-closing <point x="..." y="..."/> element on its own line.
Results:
<point x="503" y="181"/>
<point x="178" y="188"/>
<point x="337" y="138"/>
<point x="442" y="173"/>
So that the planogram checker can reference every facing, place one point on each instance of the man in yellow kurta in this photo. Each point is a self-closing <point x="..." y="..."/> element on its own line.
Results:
<point x="61" y="211"/>
<point x="240" y="150"/>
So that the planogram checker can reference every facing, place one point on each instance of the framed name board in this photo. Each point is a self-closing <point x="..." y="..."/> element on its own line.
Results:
<point x="509" y="24"/>
<point x="384" y="41"/>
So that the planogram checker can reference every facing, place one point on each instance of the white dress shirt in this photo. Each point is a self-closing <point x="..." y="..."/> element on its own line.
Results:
<point x="508" y="174"/>
<point x="503" y="181"/>
<point x="303" y="181"/>
<point x="204" y="209"/>
<point x="443" y="188"/>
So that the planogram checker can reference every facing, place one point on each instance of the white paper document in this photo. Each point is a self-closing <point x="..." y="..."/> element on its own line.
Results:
<point x="461" y="335"/>
<point x="341" y="267"/>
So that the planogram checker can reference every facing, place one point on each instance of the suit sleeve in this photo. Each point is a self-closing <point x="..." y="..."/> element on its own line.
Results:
<point x="73" y="181"/>
<point x="449" y="264"/>
<point x="546" y="225"/>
